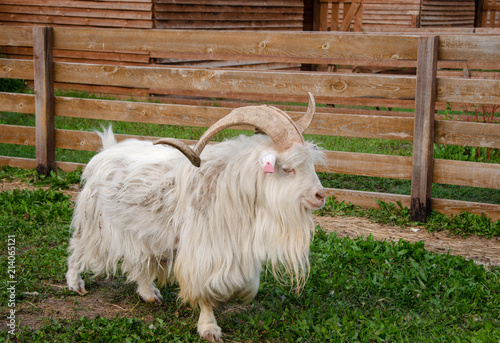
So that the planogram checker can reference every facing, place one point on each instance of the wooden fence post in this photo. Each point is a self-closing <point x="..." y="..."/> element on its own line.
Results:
<point x="423" y="136"/>
<point x="44" y="99"/>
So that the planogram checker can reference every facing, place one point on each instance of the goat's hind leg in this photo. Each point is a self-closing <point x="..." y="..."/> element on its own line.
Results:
<point x="73" y="278"/>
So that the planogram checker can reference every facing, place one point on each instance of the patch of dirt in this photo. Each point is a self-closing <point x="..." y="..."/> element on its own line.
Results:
<point x="100" y="302"/>
<point x="16" y="184"/>
<point x="482" y="250"/>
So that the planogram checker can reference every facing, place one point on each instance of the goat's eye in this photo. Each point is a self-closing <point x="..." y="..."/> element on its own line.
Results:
<point x="289" y="170"/>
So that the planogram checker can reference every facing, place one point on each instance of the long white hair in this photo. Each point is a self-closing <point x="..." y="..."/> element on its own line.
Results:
<point x="147" y="210"/>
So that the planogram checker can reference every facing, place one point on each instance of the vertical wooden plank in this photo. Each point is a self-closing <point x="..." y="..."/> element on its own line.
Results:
<point x="423" y="136"/>
<point x="358" y="20"/>
<point x="484" y="15"/>
<point x="478" y="13"/>
<point x="346" y="21"/>
<point x="320" y="16"/>
<point x="335" y="16"/>
<point x="44" y="99"/>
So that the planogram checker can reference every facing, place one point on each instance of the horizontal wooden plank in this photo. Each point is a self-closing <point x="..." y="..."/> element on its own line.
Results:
<point x="286" y="44"/>
<point x="238" y="81"/>
<point x="474" y="91"/>
<point x="469" y="47"/>
<point x="90" y="141"/>
<point x="397" y="167"/>
<point x="204" y="116"/>
<point x="117" y="92"/>
<point x="16" y="36"/>
<point x="229" y="16"/>
<point x="467" y="134"/>
<point x="278" y="45"/>
<point x="134" y="5"/>
<point x="259" y="25"/>
<point x="76" y="12"/>
<point x="18" y="162"/>
<point x="18" y="103"/>
<point x="16" y="69"/>
<point x="14" y="134"/>
<point x="166" y="114"/>
<point x="444" y="206"/>
<point x="455" y="207"/>
<point x="226" y="9"/>
<point x="29" y="163"/>
<point x="61" y="20"/>
<point x="367" y="199"/>
<point x="89" y="56"/>
<point x="474" y="174"/>
<point x="289" y="3"/>
<point x="323" y="85"/>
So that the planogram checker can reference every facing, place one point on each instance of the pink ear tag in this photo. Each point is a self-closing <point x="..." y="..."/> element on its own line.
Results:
<point x="267" y="160"/>
<point x="268" y="168"/>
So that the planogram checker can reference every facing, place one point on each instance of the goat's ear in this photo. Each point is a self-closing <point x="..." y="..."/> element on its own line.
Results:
<point x="267" y="160"/>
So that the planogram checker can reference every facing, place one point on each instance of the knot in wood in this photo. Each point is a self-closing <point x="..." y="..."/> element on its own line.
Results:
<point x="262" y="45"/>
<point x="395" y="57"/>
<point x="339" y="85"/>
<point x="210" y="50"/>
<point x="110" y="69"/>
<point x="325" y="46"/>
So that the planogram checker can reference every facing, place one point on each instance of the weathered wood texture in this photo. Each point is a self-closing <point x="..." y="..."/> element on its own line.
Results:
<point x="338" y="15"/>
<point x="423" y="133"/>
<point x="229" y="15"/>
<point x="376" y="15"/>
<point x="44" y="99"/>
<point x="281" y="86"/>
<point x="103" y="13"/>
<point x="438" y="13"/>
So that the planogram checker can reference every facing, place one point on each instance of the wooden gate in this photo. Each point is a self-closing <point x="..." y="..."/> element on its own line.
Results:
<point x="327" y="15"/>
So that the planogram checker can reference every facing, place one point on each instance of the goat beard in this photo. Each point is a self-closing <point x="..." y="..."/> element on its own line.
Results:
<point x="287" y="244"/>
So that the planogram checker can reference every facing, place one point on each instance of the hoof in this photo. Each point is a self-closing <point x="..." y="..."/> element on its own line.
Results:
<point x="77" y="286"/>
<point x="157" y="299"/>
<point x="212" y="335"/>
<point x="150" y="294"/>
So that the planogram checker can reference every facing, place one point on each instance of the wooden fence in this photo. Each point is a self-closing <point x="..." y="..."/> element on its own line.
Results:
<point x="424" y="89"/>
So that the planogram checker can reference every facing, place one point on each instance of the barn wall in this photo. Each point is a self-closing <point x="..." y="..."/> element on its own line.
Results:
<point x="440" y="13"/>
<point x="383" y="14"/>
<point x="102" y="13"/>
<point x="229" y="15"/>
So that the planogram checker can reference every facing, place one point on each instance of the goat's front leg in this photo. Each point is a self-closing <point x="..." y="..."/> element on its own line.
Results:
<point x="207" y="325"/>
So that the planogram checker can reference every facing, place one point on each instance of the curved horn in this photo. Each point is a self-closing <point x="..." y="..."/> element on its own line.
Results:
<point x="304" y="122"/>
<point x="270" y="120"/>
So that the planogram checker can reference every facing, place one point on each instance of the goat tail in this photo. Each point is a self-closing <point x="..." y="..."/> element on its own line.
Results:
<point x="107" y="137"/>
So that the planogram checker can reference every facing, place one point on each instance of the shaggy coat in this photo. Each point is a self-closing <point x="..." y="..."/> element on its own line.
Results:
<point x="146" y="210"/>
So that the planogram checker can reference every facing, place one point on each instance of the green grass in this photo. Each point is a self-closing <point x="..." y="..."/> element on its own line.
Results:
<point x="359" y="290"/>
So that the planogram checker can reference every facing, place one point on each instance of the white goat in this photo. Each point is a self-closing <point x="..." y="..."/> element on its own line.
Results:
<point x="147" y="210"/>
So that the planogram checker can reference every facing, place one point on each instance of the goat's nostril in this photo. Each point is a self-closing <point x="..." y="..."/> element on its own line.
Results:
<point x="320" y="195"/>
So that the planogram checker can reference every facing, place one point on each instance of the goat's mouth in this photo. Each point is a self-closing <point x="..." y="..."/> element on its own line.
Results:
<point x="314" y="204"/>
